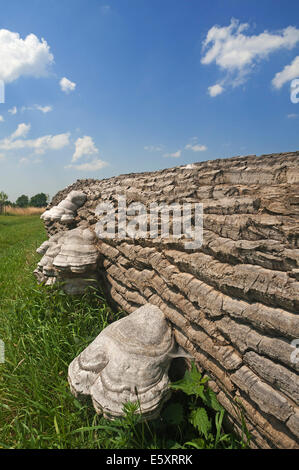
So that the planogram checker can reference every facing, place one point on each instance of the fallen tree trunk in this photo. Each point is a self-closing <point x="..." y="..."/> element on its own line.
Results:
<point x="233" y="301"/>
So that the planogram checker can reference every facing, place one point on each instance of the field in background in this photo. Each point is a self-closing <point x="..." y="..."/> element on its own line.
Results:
<point x="8" y="210"/>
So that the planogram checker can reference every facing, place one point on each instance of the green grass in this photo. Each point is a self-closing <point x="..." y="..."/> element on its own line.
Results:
<point x="43" y="330"/>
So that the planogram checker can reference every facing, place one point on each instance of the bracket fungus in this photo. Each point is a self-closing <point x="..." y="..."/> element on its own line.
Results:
<point x="70" y="257"/>
<point x="66" y="210"/>
<point x="128" y="361"/>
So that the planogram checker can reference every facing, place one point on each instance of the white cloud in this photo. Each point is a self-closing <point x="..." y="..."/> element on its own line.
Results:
<point x="23" y="57"/>
<point x="287" y="74"/>
<point x="176" y="154"/>
<point x="13" y="110"/>
<point x="94" y="165"/>
<point x="21" y="131"/>
<point x="215" y="90"/>
<point x="38" y="145"/>
<point x="43" y="109"/>
<point x="154" y="148"/>
<point x="237" y="53"/>
<point x="84" y="146"/>
<point x="292" y="116"/>
<point x="196" y="147"/>
<point x="2" y="156"/>
<point x="66" y="85"/>
<point x="1" y="118"/>
<point x="26" y="161"/>
<point x="49" y="142"/>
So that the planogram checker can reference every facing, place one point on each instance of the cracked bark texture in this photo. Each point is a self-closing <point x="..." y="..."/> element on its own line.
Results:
<point x="234" y="302"/>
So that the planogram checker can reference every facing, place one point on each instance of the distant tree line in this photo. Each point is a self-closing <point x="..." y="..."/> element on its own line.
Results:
<point x="39" y="200"/>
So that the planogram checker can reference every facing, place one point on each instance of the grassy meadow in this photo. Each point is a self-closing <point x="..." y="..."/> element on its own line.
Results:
<point x="43" y="330"/>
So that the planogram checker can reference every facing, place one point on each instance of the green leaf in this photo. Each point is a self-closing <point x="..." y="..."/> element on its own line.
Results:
<point x="210" y="399"/>
<point x="200" y="420"/>
<point x="174" y="414"/>
<point x="94" y="428"/>
<point x="78" y="404"/>
<point x="130" y="408"/>
<point x="170" y="444"/>
<point x="192" y="382"/>
<point x="56" y="426"/>
<point x="196" y="443"/>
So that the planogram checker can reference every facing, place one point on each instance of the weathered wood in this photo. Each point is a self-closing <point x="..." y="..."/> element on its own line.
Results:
<point x="234" y="301"/>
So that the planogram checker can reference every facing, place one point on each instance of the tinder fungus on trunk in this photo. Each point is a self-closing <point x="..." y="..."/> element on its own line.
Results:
<point x="128" y="361"/>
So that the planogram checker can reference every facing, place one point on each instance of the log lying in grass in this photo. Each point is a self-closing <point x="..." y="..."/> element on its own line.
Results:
<point x="233" y="301"/>
<point x="128" y="360"/>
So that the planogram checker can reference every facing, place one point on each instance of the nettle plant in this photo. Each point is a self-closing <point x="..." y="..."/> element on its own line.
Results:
<point x="193" y="418"/>
<point x="204" y="413"/>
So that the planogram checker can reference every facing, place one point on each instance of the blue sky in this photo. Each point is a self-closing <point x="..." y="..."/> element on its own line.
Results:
<point x="99" y="88"/>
